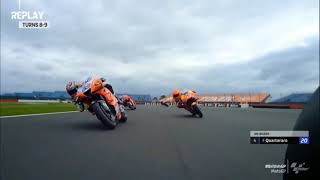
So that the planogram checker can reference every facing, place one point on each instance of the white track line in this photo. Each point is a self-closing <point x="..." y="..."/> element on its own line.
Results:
<point x="24" y="115"/>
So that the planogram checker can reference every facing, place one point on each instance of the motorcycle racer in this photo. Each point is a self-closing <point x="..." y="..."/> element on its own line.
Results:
<point x="183" y="100"/>
<point x="72" y="88"/>
<point x="186" y="100"/>
<point x="128" y="101"/>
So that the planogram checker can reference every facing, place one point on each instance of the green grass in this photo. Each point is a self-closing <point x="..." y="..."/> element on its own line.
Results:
<point x="13" y="108"/>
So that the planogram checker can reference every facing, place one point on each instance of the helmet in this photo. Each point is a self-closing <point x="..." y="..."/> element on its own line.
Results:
<point x="71" y="87"/>
<point x="176" y="93"/>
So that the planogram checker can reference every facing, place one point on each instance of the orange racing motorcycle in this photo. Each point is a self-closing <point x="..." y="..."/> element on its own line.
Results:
<point x="94" y="96"/>
<point x="127" y="101"/>
<point x="186" y="100"/>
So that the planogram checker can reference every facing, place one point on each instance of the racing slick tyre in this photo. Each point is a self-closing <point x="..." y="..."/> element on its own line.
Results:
<point x="104" y="115"/>
<point x="132" y="107"/>
<point x="197" y="110"/>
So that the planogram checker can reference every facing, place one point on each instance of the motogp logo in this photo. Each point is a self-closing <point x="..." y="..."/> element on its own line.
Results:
<point x="298" y="168"/>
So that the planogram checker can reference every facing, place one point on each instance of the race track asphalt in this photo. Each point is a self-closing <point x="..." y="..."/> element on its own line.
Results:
<point x="156" y="143"/>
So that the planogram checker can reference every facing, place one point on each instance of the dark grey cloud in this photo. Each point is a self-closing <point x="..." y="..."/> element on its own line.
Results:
<point x="292" y="70"/>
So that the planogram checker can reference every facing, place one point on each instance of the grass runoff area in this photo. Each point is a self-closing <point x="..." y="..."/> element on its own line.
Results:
<point x="19" y="108"/>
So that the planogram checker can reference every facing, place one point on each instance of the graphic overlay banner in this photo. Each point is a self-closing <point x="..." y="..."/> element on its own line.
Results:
<point x="279" y="137"/>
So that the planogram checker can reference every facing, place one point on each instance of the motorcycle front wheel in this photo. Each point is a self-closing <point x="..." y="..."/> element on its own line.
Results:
<point x="104" y="115"/>
<point x="197" y="110"/>
<point x="132" y="107"/>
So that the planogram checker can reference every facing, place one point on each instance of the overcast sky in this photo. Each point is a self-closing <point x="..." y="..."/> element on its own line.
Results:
<point x="153" y="46"/>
